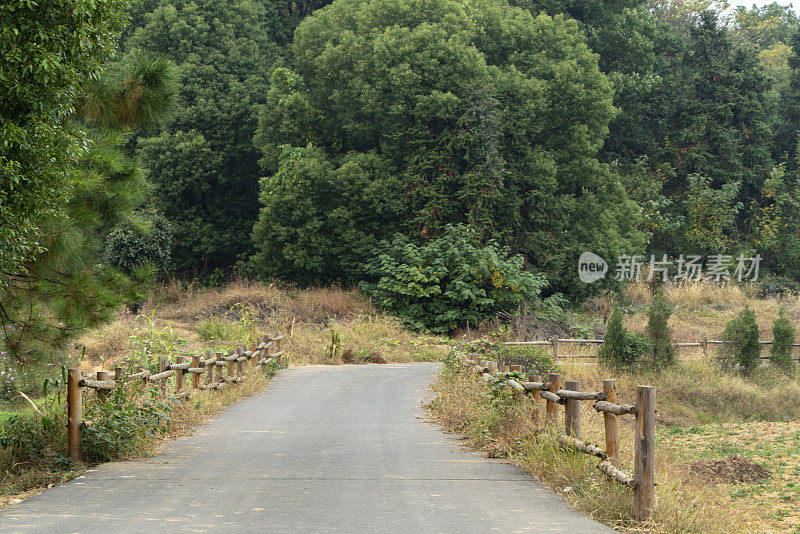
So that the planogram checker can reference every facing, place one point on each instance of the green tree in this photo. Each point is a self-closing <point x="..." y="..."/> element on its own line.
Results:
<point x="68" y="287"/>
<point x="46" y="52"/>
<point x="741" y="349"/>
<point x="783" y="336"/>
<point x="202" y="165"/>
<point x="488" y="115"/>
<point x="658" y="331"/>
<point x="622" y="348"/>
<point x="450" y="281"/>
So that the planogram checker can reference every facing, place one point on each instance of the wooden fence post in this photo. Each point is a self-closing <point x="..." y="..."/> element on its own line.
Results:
<point x="74" y="414"/>
<point x="195" y="376"/>
<point x="118" y="375"/>
<point x="555" y="348"/>
<point x="536" y="397"/>
<point x="179" y="375"/>
<point x="572" y="414"/>
<point x="552" y="407"/>
<point x="218" y="366"/>
<point x="253" y="357"/>
<point x="611" y="423"/>
<point x="240" y="365"/>
<point x="162" y="366"/>
<point x="705" y="346"/>
<point x="102" y="394"/>
<point x="210" y="368"/>
<point x="644" y="460"/>
<point x="230" y="364"/>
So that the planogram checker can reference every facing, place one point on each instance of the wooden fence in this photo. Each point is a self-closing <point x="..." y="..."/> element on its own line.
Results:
<point x="236" y="364"/>
<point x="556" y="342"/>
<point x="570" y="396"/>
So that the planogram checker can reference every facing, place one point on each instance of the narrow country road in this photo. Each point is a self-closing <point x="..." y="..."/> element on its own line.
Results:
<point x="322" y="449"/>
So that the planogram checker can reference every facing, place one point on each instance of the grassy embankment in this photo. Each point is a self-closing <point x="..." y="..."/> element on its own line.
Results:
<point x="728" y="446"/>
<point x="324" y="325"/>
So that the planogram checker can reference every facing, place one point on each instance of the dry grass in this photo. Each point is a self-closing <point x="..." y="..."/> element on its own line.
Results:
<point x="703" y="308"/>
<point x="196" y="319"/>
<point x="684" y="504"/>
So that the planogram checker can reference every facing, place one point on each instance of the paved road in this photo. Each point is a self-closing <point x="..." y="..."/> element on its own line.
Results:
<point x="323" y="449"/>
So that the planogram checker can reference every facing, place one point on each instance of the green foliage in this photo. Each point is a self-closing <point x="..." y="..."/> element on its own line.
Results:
<point x="449" y="281"/>
<point x="150" y="342"/>
<point x="31" y="438"/>
<point x="339" y="212"/>
<point x="783" y="337"/>
<point x="48" y="50"/>
<point x="741" y="349"/>
<point x="623" y="348"/>
<point x="121" y="424"/>
<point x="472" y="112"/>
<point x="142" y="240"/>
<point x="658" y="331"/>
<point x="534" y="360"/>
<point x="203" y="166"/>
<point x="241" y="330"/>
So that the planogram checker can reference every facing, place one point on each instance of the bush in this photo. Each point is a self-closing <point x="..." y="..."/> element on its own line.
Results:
<point x="783" y="335"/>
<point x="534" y="360"/>
<point x="622" y="348"/>
<point x="30" y="437"/>
<point x="142" y="241"/>
<point x="741" y="349"/>
<point x="658" y="331"/>
<point x="450" y="281"/>
<point x="121" y="424"/>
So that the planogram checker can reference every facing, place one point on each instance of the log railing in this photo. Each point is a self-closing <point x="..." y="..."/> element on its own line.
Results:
<point x="236" y="363"/>
<point x="555" y="343"/>
<point x="570" y="396"/>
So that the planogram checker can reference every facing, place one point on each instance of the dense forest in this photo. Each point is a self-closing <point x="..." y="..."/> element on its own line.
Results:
<point x="453" y="157"/>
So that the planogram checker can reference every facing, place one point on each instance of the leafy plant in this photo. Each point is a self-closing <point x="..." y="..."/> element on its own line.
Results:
<point x="622" y="348"/>
<point x="741" y="349"/>
<point x="783" y="336"/>
<point x="534" y="360"/>
<point x="663" y="353"/>
<point x="450" y="281"/>
<point x="149" y="342"/>
<point x="121" y="424"/>
<point x="141" y="241"/>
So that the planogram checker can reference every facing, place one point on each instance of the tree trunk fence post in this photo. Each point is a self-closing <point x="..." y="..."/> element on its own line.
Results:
<point x="644" y="459"/>
<point x="162" y="366"/>
<point x="209" y="368"/>
<point x="74" y="414"/>
<point x="555" y="349"/>
<point x="536" y="397"/>
<point x="195" y="376"/>
<point x="705" y="346"/>
<point x="551" y="406"/>
<point x="218" y="367"/>
<point x="572" y="413"/>
<point x="229" y="373"/>
<point x="240" y="365"/>
<point x="253" y="357"/>
<point x="611" y="423"/>
<point x="179" y="375"/>
<point x="102" y="394"/>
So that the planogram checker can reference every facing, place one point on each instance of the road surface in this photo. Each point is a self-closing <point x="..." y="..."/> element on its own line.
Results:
<point x="322" y="449"/>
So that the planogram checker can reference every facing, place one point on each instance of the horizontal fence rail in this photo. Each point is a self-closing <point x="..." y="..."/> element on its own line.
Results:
<point x="550" y="389"/>
<point x="219" y="369"/>
<point x="556" y="341"/>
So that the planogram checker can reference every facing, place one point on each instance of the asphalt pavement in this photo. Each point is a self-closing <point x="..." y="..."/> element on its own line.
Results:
<point x="343" y="449"/>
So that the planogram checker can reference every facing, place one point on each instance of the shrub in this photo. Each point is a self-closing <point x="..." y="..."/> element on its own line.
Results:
<point x="622" y="348"/>
<point x="121" y="424"/>
<point x="741" y="349"/>
<point x="141" y="241"/>
<point x="534" y="360"/>
<point x="29" y="437"/>
<point x="658" y="331"/>
<point x="450" y="281"/>
<point x="783" y="334"/>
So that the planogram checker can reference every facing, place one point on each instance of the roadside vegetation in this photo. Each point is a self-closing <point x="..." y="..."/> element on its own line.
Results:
<point x="727" y="434"/>
<point x="322" y="326"/>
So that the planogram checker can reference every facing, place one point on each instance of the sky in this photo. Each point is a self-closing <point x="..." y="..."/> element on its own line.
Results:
<point x="761" y="3"/>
